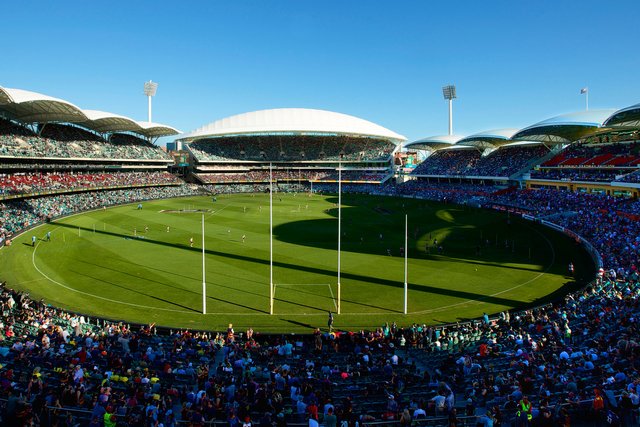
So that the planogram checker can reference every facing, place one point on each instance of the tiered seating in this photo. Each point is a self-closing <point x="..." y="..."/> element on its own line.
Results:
<point x="506" y="161"/>
<point x="623" y="160"/>
<point x="448" y="162"/>
<point x="28" y="183"/>
<point x="59" y="141"/>
<point x="619" y="155"/>
<point x="593" y="175"/>
<point x="599" y="160"/>
<point x="292" y="175"/>
<point x="291" y="148"/>
<point x="19" y="214"/>
<point x="633" y="177"/>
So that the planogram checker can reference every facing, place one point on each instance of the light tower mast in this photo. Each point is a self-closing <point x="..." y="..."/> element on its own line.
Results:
<point x="150" y="89"/>
<point x="449" y="93"/>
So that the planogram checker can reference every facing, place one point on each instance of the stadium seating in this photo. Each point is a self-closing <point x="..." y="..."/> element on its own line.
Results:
<point x="570" y="174"/>
<point x="619" y="155"/>
<point x="299" y="148"/>
<point x="292" y="175"/>
<point x="506" y="161"/>
<point x="502" y="162"/>
<point x="16" y="215"/>
<point x="448" y="162"/>
<point x="58" y="141"/>
<point x="29" y="183"/>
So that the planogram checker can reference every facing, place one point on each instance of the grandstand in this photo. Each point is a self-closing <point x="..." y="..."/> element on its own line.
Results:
<point x="56" y="159"/>
<point x="302" y="145"/>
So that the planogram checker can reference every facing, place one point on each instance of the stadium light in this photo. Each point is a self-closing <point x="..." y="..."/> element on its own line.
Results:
<point x="150" y="89"/>
<point x="449" y="93"/>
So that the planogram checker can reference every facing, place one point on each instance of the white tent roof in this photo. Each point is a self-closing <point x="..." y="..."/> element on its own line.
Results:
<point x="33" y="107"/>
<point x="156" y="129"/>
<point x="565" y="128"/>
<point x="625" y="118"/>
<point x="434" y="142"/>
<point x="489" y="139"/>
<point x="29" y="106"/>
<point x="101" y="121"/>
<point x="295" y="121"/>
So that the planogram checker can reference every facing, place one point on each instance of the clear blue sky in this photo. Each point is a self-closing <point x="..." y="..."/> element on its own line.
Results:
<point x="514" y="63"/>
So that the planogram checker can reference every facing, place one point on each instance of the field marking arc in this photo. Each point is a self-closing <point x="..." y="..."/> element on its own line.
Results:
<point x="294" y="314"/>
<point x="553" y="260"/>
<point x="33" y="261"/>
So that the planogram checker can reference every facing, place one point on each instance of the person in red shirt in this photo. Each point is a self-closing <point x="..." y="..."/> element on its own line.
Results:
<point x="312" y="409"/>
<point x="483" y="349"/>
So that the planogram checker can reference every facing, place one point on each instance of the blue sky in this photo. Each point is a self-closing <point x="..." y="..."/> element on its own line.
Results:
<point x="514" y="63"/>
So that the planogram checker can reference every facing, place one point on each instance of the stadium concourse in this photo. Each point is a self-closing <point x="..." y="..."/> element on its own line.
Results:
<point x="573" y="361"/>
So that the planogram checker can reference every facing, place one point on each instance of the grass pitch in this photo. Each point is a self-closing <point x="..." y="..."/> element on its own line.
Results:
<point x="138" y="265"/>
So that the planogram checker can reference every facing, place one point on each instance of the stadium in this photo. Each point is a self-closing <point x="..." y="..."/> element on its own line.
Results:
<point x="284" y="232"/>
<point x="516" y="218"/>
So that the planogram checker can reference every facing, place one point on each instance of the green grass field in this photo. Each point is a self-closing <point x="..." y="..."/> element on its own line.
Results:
<point x="95" y="265"/>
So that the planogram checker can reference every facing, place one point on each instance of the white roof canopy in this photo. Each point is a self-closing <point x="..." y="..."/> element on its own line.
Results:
<point x="489" y="139"/>
<point x="565" y="128"/>
<point x="32" y="107"/>
<point x="434" y="142"/>
<point x="301" y="121"/>
<point x="628" y="118"/>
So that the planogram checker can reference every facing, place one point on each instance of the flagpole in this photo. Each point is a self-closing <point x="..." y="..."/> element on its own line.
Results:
<point x="587" y="99"/>
<point x="270" y="238"/>
<point x="406" y="247"/>
<point x="204" y="280"/>
<point x="339" y="225"/>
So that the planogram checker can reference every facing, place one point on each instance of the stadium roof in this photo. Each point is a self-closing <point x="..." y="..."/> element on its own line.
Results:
<point x="565" y="128"/>
<point x="292" y="121"/>
<point x="32" y="107"/>
<point x="434" y="142"/>
<point x="101" y="121"/>
<point x="489" y="139"/>
<point x="626" y="118"/>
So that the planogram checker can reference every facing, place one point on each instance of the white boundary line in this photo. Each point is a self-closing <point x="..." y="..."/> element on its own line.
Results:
<point x="332" y="297"/>
<point x="290" y="284"/>
<point x="553" y="260"/>
<point x="33" y="261"/>
<point x="213" y="212"/>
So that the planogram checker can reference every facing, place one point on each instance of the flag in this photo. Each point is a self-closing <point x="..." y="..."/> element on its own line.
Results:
<point x="584" y="90"/>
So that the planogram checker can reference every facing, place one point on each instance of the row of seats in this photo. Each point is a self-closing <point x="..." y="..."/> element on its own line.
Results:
<point x="65" y="141"/>
<point x="294" y="148"/>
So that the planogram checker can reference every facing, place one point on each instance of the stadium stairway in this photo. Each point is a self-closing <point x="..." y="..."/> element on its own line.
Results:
<point x="537" y="161"/>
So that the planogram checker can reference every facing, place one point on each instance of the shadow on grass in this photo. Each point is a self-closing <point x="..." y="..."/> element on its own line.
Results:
<point x="98" y="279"/>
<point x="320" y="271"/>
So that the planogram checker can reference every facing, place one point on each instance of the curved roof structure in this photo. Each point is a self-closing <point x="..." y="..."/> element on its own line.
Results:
<point x="156" y="129"/>
<point x="628" y="118"/>
<point x="5" y="98"/>
<point x="489" y="139"/>
<point x="101" y="121"/>
<point x="434" y="142"/>
<point x="29" y="106"/>
<point x="565" y="128"/>
<point x="33" y="107"/>
<point x="293" y="121"/>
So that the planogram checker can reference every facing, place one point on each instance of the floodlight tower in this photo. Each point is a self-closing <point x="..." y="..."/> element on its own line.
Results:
<point x="449" y="93"/>
<point x="150" y="89"/>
